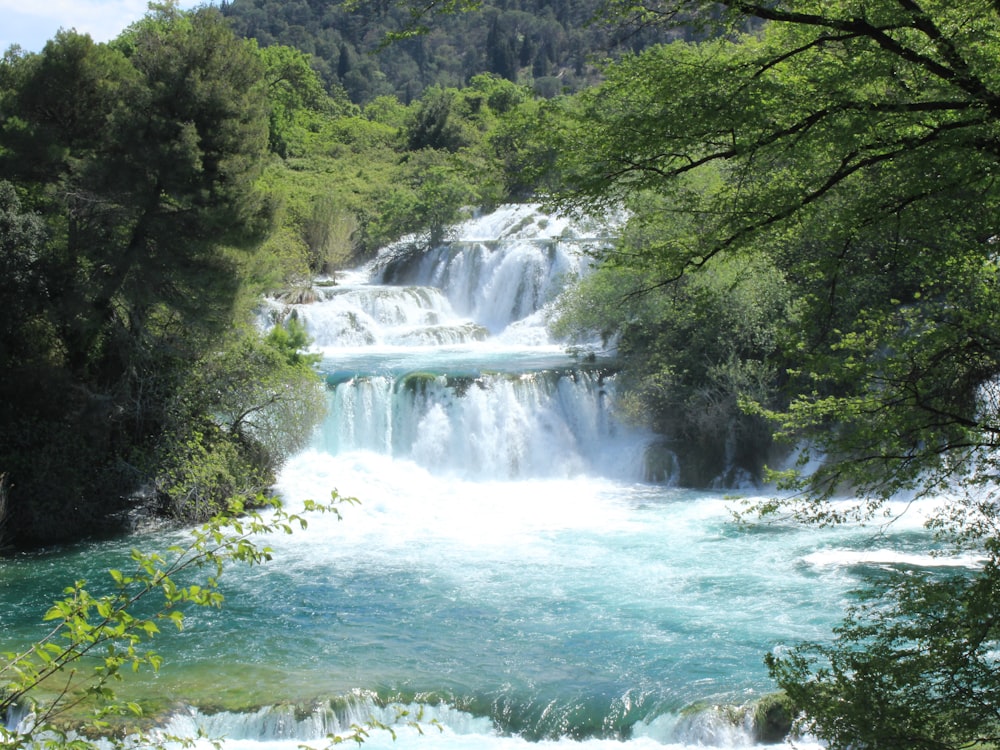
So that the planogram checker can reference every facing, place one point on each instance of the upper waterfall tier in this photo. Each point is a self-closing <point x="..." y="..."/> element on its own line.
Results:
<point x="493" y="278"/>
<point x="500" y="268"/>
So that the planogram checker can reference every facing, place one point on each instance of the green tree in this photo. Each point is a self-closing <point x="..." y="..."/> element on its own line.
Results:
<point x="523" y="151"/>
<point x="433" y="189"/>
<point x="141" y="158"/>
<point x="296" y="95"/>
<point x="239" y="414"/>
<point x="692" y="353"/>
<point x="22" y="240"/>
<point x="853" y="145"/>
<point x="155" y="156"/>
<point x="329" y="232"/>
<point x="913" y="666"/>
<point x="433" y="124"/>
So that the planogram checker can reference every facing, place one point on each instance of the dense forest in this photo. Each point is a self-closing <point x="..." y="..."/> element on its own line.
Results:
<point x="132" y="219"/>
<point x="811" y="257"/>
<point x="551" y="46"/>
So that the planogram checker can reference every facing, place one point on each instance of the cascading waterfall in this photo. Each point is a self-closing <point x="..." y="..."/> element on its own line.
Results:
<point x="509" y="575"/>
<point x="441" y="356"/>
<point x="486" y="426"/>
<point x="503" y="268"/>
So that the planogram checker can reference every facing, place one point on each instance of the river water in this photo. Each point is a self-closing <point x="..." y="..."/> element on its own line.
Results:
<point x="509" y="576"/>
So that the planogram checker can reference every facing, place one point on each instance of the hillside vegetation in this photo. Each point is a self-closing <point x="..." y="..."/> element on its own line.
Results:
<point x="552" y="46"/>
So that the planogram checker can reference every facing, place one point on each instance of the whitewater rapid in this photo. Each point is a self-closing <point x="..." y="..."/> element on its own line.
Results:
<point x="510" y="577"/>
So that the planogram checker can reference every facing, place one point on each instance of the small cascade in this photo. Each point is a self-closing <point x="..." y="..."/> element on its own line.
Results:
<point x="500" y="268"/>
<point x="19" y="718"/>
<point x="496" y="283"/>
<point x="711" y="726"/>
<point x="549" y="423"/>
<point x="342" y="718"/>
<point x="365" y="718"/>
<point x="365" y="315"/>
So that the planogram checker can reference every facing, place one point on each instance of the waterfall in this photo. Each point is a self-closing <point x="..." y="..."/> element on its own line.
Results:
<point x="441" y="355"/>
<point x="494" y="282"/>
<point x="516" y="572"/>
<point x="486" y="425"/>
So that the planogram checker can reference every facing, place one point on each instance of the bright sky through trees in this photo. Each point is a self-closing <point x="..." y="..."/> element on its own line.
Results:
<point x="31" y="24"/>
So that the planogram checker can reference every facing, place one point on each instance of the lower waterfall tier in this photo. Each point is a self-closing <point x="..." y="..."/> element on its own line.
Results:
<point x="549" y="423"/>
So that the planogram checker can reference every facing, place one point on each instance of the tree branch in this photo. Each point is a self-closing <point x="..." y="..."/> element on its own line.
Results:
<point x="956" y="71"/>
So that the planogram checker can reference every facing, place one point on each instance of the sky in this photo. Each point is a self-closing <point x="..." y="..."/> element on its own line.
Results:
<point x="31" y="23"/>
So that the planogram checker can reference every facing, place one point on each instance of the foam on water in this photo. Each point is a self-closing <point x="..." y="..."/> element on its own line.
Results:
<point x="506" y="556"/>
<point x="508" y="579"/>
<point x="890" y="558"/>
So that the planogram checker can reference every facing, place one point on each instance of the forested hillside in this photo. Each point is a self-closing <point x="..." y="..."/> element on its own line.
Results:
<point x="552" y="45"/>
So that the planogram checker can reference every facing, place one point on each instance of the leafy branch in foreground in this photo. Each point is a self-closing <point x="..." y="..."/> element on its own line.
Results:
<point x="913" y="666"/>
<point x="96" y="638"/>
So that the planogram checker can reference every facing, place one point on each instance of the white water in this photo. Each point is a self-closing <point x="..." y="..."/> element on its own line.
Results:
<point x="508" y="578"/>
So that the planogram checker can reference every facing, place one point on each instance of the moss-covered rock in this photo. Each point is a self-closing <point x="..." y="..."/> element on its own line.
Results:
<point x="416" y="382"/>
<point x="773" y="716"/>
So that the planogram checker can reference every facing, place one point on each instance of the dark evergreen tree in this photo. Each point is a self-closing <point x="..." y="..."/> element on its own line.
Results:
<point x="141" y="159"/>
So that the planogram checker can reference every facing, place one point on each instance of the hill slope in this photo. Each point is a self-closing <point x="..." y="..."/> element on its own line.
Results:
<point x="550" y="44"/>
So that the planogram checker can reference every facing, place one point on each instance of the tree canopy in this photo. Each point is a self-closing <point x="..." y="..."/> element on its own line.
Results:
<point x="852" y="147"/>
<point x="855" y="145"/>
<point x="130" y="208"/>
